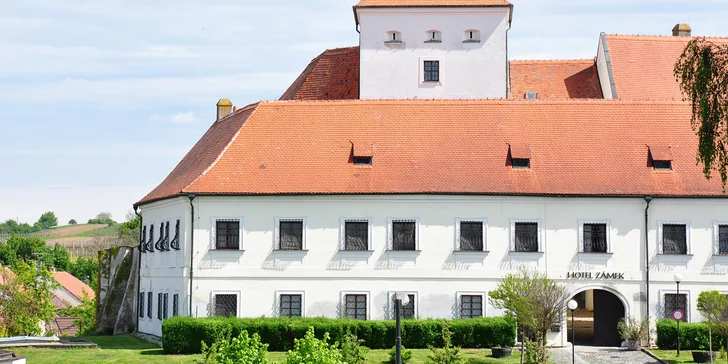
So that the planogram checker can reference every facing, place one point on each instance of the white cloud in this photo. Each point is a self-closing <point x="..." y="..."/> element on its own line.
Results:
<point x="178" y="118"/>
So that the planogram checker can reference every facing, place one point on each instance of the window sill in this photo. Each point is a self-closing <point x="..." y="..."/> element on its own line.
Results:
<point x="433" y="41"/>
<point x="470" y="255"/>
<point x="286" y="251"/>
<point x="356" y="252"/>
<point x="674" y="258"/>
<point x="392" y="42"/>
<point x="721" y="259"/>
<point x="226" y="250"/>
<point x="525" y="253"/>
<point x="471" y="41"/>
<point x="404" y="254"/>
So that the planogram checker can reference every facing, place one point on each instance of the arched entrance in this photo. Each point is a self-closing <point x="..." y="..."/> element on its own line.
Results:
<point x="595" y="323"/>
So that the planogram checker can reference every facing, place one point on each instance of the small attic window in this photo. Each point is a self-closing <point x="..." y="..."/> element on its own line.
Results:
<point x="661" y="157"/>
<point x="361" y="153"/>
<point x="471" y="36"/>
<point x="363" y="161"/>
<point x="520" y="156"/>
<point x="433" y="36"/>
<point x="521" y="163"/>
<point x="393" y="36"/>
<point x="662" y="165"/>
<point x="531" y="95"/>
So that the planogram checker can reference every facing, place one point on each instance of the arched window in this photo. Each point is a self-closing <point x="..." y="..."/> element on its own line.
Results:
<point x="471" y="36"/>
<point x="393" y="36"/>
<point x="433" y="36"/>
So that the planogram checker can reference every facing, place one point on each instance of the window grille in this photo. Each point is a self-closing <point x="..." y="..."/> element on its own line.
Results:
<point x="356" y="235"/>
<point x="165" y="242"/>
<point x="141" y="304"/>
<point x="526" y="234"/>
<point x="150" y="243"/>
<point x="227" y="234"/>
<point x="143" y="241"/>
<point x="175" y="242"/>
<point x="175" y="305"/>
<point x="291" y="305"/>
<point x="159" y="306"/>
<point x="595" y="238"/>
<point x="723" y="239"/>
<point x="432" y="70"/>
<point x="471" y="236"/>
<point x="404" y="235"/>
<point x="521" y="163"/>
<point x="676" y="302"/>
<point x="471" y="306"/>
<point x="355" y="306"/>
<point x="165" y="299"/>
<point x="674" y="239"/>
<point x="408" y="310"/>
<point x="226" y="305"/>
<point x="158" y="244"/>
<point x="150" y="297"/>
<point x="291" y="235"/>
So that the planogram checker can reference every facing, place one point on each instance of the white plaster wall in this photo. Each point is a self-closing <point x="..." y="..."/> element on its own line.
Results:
<point x="467" y="70"/>
<point x="603" y="71"/>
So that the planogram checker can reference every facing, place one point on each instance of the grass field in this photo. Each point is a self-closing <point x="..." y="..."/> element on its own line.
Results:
<point x="130" y="349"/>
<point x="686" y="356"/>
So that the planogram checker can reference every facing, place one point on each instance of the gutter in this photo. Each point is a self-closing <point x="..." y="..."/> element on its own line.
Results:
<point x="139" y="265"/>
<point x="191" y="196"/>
<point x="648" y="199"/>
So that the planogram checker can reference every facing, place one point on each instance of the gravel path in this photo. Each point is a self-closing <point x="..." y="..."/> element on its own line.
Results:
<point x="598" y="355"/>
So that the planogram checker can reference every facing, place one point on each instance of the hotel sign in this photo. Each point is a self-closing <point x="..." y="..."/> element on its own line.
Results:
<point x="594" y="275"/>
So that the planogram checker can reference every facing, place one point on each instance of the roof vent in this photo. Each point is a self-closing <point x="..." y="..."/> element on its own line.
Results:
<point x="531" y="95"/>
<point x="224" y="108"/>
<point x="682" y="30"/>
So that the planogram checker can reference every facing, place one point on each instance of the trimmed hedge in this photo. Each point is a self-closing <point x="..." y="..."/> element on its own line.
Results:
<point x="184" y="335"/>
<point x="693" y="336"/>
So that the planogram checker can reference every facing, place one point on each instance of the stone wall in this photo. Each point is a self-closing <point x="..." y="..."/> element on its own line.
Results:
<point x="118" y="271"/>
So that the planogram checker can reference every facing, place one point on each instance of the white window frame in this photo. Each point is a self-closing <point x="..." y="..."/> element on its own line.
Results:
<point x="277" y="237"/>
<point x="457" y="233"/>
<point x="342" y="232"/>
<point x="390" y="306"/>
<point x="540" y="235"/>
<point x="716" y="238"/>
<point x="674" y="291"/>
<point x="390" y="238"/>
<point x="609" y="234"/>
<point x="660" y="223"/>
<point x="458" y="301"/>
<point x="422" y="70"/>
<point x="237" y="293"/>
<point x="213" y="228"/>
<point x="277" y="313"/>
<point x="342" y="301"/>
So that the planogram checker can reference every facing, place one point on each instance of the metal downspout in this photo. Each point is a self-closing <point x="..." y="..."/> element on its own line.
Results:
<point x="139" y="266"/>
<point x="191" y="196"/>
<point x="648" y="199"/>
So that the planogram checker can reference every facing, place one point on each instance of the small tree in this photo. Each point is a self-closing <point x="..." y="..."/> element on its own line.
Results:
<point x="26" y="302"/>
<point x="711" y="305"/>
<point x="312" y="350"/>
<point x="47" y="220"/>
<point x="84" y="315"/>
<point x="448" y="354"/>
<point x="352" y="349"/>
<point x="244" y="349"/>
<point x="72" y="222"/>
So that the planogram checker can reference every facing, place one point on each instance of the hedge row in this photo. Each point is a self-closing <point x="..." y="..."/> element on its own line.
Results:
<point x="693" y="336"/>
<point x="184" y="335"/>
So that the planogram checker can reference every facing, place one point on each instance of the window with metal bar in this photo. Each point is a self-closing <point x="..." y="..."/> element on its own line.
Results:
<point x="404" y="235"/>
<point x="291" y="235"/>
<point x="150" y="297"/>
<point x="674" y="239"/>
<point x="158" y="244"/>
<point x="159" y="306"/>
<point x="141" y="304"/>
<point x="526" y="235"/>
<point x="471" y="236"/>
<point x="356" y="235"/>
<point x="355" y="306"/>
<point x="471" y="306"/>
<point x="408" y="310"/>
<point x="226" y="305"/>
<point x="227" y="234"/>
<point x="674" y="302"/>
<point x="175" y="242"/>
<point x="432" y="71"/>
<point x="165" y="242"/>
<point x="291" y="305"/>
<point x="175" y="305"/>
<point x="143" y="241"/>
<point x="150" y="243"/>
<point x="595" y="238"/>
<point x="723" y="240"/>
<point x="165" y="306"/>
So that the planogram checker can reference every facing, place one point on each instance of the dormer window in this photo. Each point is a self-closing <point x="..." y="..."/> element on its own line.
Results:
<point x="393" y="37"/>
<point x="471" y="36"/>
<point x="520" y="156"/>
<point x="521" y="163"/>
<point x="661" y="158"/>
<point x="363" y="161"/>
<point x="433" y="36"/>
<point x="361" y="153"/>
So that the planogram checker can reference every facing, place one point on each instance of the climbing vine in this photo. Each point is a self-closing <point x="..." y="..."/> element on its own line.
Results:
<point x="702" y="72"/>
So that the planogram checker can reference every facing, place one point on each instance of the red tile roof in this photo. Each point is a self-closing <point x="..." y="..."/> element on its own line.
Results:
<point x="577" y="147"/>
<point x="642" y="66"/>
<point x="73" y="284"/>
<point x="333" y="75"/>
<point x="558" y="79"/>
<point x="430" y="3"/>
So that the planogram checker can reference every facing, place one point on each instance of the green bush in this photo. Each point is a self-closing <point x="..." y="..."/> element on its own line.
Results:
<point x="183" y="335"/>
<point x="244" y="349"/>
<point x="406" y="355"/>
<point x="352" y="349"/>
<point x="448" y="354"/>
<point x="312" y="350"/>
<point x="693" y="336"/>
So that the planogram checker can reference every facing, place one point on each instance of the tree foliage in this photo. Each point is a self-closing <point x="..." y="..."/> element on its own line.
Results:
<point x="84" y="314"/>
<point x="702" y="72"/>
<point x="711" y="305"/>
<point x="311" y="350"/>
<point x="47" y="221"/>
<point x="72" y="222"/>
<point x="19" y="248"/>
<point x="102" y="218"/>
<point x="13" y="227"/>
<point x="26" y="301"/>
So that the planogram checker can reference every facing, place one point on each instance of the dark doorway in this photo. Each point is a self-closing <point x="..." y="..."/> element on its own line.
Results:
<point x="596" y="318"/>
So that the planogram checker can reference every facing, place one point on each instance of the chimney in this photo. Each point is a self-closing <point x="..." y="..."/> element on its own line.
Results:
<point x="682" y="30"/>
<point x="224" y="108"/>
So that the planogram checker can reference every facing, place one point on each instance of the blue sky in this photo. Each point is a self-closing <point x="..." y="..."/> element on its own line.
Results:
<point x="99" y="100"/>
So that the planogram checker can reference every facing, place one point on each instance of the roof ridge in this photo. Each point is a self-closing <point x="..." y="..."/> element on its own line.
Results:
<point x="662" y="37"/>
<point x="574" y="60"/>
<point x="488" y="101"/>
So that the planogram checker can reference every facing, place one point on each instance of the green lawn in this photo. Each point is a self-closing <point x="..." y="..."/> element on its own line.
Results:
<point x="130" y="349"/>
<point x="686" y="356"/>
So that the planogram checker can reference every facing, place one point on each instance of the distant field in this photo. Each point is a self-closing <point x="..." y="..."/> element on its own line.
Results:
<point x="69" y="230"/>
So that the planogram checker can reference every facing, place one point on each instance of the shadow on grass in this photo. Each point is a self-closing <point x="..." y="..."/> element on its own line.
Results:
<point x="158" y="351"/>
<point x="121" y="342"/>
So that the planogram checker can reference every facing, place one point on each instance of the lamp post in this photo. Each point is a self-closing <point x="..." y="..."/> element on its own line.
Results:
<point x="573" y="306"/>
<point x="400" y="299"/>
<point x="678" y="279"/>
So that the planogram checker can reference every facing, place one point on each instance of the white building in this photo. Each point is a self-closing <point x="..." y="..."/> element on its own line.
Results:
<point x="325" y="208"/>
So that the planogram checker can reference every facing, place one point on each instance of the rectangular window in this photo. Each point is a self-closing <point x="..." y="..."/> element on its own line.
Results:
<point x="526" y="235"/>
<point x="595" y="238"/>
<point x="471" y="236"/>
<point x="226" y="305"/>
<point x="404" y="235"/>
<point x="175" y="305"/>
<point x="432" y="71"/>
<point x="175" y="242"/>
<point x="150" y="297"/>
<point x="356" y="235"/>
<point x="166" y="236"/>
<point x="363" y="161"/>
<point x="143" y="242"/>
<point x="150" y="243"/>
<point x="227" y="234"/>
<point x="723" y="239"/>
<point x="165" y="305"/>
<point x="408" y="310"/>
<point x="141" y="304"/>
<point x="291" y="305"/>
<point x="676" y="302"/>
<point x="471" y="306"/>
<point x="159" y="306"/>
<point x="291" y="235"/>
<point x="355" y="306"/>
<point x="674" y="239"/>
<point x="524" y="163"/>
<point x="662" y="165"/>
